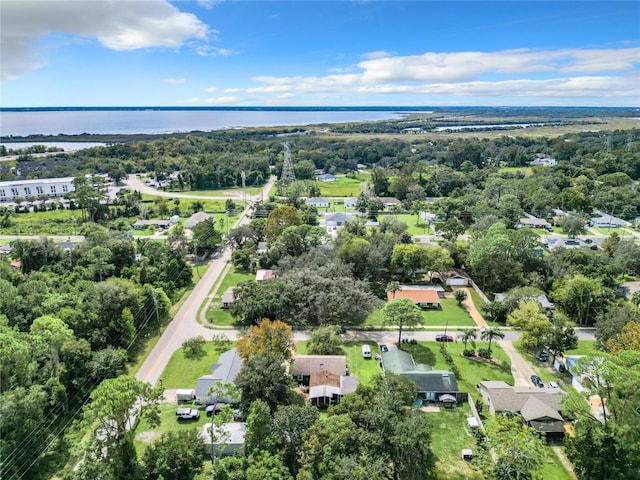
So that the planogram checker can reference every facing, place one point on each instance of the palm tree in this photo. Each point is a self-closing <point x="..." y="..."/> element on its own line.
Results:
<point x="392" y="287"/>
<point x="489" y="334"/>
<point x="468" y="335"/>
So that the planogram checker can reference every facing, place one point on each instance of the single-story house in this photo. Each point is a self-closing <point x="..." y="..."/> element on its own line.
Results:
<point x="318" y="202"/>
<point x="532" y="222"/>
<point x="6" y="249"/>
<point x="327" y="388"/>
<point x="264" y="275"/>
<point x="224" y="371"/>
<point x="350" y="202"/>
<point x="234" y="434"/>
<point x="327" y="377"/>
<point x="227" y="298"/>
<point x="389" y="202"/>
<point x="327" y="177"/>
<point x="337" y="219"/>
<point x="539" y="407"/>
<point x="542" y="300"/>
<point x="144" y="224"/>
<point x="196" y="218"/>
<point x="608" y="221"/>
<point x="423" y="298"/>
<point x="438" y="386"/>
<point x="456" y="280"/>
<point x="304" y="366"/>
<point x="262" y="248"/>
<point x="569" y="243"/>
<point x="543" y="161"/>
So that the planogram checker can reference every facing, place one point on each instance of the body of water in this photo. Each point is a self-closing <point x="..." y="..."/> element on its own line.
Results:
<point x="157" y="121"/>
<point x="66" y="146"/>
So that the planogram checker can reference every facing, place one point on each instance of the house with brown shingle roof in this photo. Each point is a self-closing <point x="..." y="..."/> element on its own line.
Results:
<point x="327" y="377"/>
<point x="423" y="298"/>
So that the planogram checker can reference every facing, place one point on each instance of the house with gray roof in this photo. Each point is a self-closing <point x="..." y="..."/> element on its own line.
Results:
<point x="337" y="219"/>
<point x="539" y="407"/>
<point x="318" y="202"/>
<point x="197" y="218"/>
<point x="438" y="386"/>
<point x="608" y="221"/>
<point x="144" y="224"/>
<point x="224" y="371"/>
<point x="327" y="177"/>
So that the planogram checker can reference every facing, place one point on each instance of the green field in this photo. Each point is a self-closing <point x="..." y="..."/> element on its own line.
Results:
<point x="231" y="192"/>
<point x="183" y="372"/>
<point x="343" y="187"/>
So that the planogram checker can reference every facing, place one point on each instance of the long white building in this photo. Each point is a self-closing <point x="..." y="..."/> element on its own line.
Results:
<point x="52" y="187"/>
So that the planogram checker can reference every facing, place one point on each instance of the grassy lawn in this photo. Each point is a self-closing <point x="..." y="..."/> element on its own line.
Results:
<point x="410" y="220"/>
<point x="231" y="192"/>
<point x="217" y="315"/>
<point x="182" y="372"/>
<point x="471" y="371"/>
<point x="343" y="187"/>
<point x="451" y="313"/>
<point x="145" y="435"/>
<point x="552" y="467"/>
<point x="364" y="369"/>
<point x="584" y="347"/>
<point x="449" y="435"/>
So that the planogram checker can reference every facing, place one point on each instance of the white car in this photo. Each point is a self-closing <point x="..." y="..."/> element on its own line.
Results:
<point x="553" y="385"/>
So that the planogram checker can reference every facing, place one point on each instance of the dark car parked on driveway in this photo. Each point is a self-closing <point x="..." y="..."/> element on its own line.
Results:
<point x="536" y="381"/>
<point x="543" y="356"/>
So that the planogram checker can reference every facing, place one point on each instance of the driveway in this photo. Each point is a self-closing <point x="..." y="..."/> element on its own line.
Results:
<point x="520" y="368"/>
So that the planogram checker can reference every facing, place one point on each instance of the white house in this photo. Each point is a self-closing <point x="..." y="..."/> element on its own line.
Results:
<point x="337" y="219"/>
<point x="318" y="202"/>
<point x="52" y="187"/>
<point x="608" y="221"/>
<point x="350" y="202"/>
<point x="457" y="281"/>
<point x="327" y="177"/>
<point x="196" y="218"/>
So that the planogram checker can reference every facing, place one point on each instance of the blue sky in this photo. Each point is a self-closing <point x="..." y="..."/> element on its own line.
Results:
<point x="271" y="53"/>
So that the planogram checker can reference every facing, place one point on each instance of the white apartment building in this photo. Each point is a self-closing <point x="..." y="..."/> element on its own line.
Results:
<point x="52" y="187"/>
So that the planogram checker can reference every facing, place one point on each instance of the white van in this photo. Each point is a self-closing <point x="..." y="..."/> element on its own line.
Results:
<point x="366" y="351"/>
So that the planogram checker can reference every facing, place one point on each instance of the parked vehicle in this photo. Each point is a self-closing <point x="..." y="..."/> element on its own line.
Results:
<point x="384" y="348"/>
<point x="552" y="385"/>
<point x="366" y="351"/>
<point x="536" y="381"/>
<point x="441" y="337"/>
<point x="187" y="414"/>
<point x="543" y="356"/>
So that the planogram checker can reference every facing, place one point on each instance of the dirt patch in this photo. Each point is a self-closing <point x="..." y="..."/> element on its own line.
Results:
<point x="430" y="409"/>
<point x="147" y="437"/>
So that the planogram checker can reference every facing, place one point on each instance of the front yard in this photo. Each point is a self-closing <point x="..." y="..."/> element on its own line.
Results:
<point x="450" y="314"/>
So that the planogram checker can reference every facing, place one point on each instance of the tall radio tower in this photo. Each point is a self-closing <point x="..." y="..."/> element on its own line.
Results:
<point x="287" y="168"/>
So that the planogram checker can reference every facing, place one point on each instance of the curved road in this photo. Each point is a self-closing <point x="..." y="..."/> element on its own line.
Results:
<point x="135" y="183"/>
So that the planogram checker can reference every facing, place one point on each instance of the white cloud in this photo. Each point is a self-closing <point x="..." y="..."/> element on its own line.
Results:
<point x="208" y="4"/>
<point x="127" y="25"/>
<point x="554" y="74"/>
<point x="222" y="100"/>
<point x="210" y="89"/>
<point x="174" y="81"/>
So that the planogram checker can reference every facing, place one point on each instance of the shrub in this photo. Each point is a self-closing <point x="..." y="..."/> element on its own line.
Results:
<point x="469" y="353"/>
<point x="194" y="347"/>
<point x="484" y="353"/>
